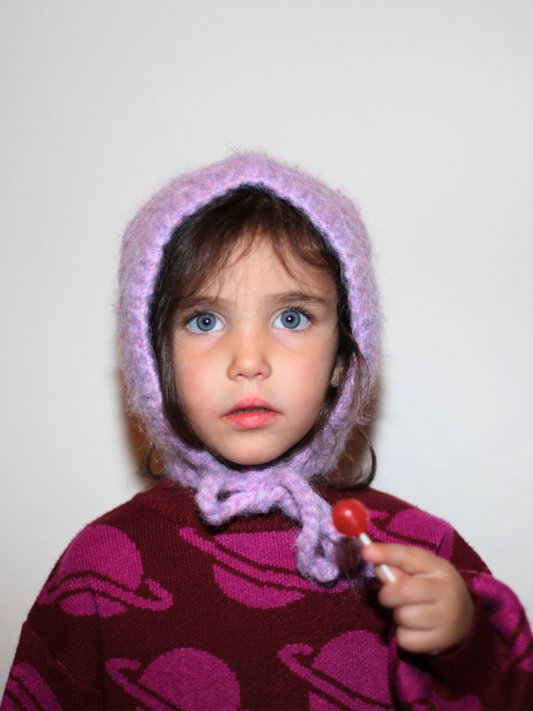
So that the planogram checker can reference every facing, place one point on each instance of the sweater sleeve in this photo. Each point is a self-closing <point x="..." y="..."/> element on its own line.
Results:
<point x="38" y="680"/>
<point x="493" y="667"/>
<point x="58" y="662"/>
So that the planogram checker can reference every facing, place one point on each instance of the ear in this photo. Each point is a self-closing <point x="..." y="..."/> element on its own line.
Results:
<point x="335" y="379"/>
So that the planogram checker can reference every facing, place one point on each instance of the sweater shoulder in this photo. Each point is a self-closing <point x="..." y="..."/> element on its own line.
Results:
<point x="165" y="499"/>
<point x="378" y="501"/>
<point x="393" y="520"/>
<point x="115" y="542"/>
<point x="374" y="498"/>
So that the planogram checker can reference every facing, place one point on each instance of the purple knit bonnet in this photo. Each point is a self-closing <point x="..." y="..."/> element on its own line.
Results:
<point x="285" y="484"/>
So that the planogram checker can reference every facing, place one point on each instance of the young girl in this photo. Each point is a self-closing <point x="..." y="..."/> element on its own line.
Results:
<point x="249" y="339"/>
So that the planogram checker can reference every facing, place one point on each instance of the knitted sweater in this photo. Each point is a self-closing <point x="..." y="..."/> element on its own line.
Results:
<point x="149" y="608"/>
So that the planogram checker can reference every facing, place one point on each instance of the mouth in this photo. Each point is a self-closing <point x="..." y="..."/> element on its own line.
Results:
<point x="251" y="413"/>
<point x="250" y="409"/>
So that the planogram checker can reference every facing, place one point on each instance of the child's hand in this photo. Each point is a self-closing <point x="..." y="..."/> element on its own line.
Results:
<point x="432" y="607"/>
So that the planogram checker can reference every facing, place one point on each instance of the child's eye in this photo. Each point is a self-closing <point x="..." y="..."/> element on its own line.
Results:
<point x="292" y="320"/>
<point x="205" y="323"/>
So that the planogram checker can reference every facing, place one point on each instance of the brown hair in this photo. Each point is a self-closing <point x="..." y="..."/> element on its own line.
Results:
<point x="201" y="246"/>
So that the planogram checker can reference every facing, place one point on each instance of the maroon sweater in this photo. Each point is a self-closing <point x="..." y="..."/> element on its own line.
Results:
<point x="150" y="609"/>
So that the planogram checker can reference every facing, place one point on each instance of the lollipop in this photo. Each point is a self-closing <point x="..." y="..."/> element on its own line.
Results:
<point x="351" y="518"/>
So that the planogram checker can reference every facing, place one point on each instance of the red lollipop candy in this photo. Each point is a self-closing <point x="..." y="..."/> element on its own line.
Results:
<point x="350" y="517"/>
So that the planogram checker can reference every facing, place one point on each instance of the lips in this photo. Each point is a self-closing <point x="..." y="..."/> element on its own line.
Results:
<point x="250" y="413"/>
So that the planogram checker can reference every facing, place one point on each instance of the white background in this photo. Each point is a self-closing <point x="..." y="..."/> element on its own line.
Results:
<point x="422" y="111"/>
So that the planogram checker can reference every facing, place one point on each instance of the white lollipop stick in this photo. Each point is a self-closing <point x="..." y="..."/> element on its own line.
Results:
<point x="387" y="572"/>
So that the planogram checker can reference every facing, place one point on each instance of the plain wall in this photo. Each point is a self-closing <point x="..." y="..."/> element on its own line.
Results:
<point x="421" y="111"/>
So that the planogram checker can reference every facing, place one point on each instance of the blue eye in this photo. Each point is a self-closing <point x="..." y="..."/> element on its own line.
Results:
<point x="205" y="323"/>
<point x="292" y="320"/>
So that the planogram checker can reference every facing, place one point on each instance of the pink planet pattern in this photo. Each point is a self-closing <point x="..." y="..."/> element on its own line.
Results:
<point x="102" y="574"/>
<point x="348" y="672"/>
<point x="187" y="679"/>
<point x="257" y="569"/>
<point x="28" y="690"/>
<point x="413" y="527"/>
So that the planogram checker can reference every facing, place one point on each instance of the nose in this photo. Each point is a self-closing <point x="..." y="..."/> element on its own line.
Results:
<point x="249" y="356"/>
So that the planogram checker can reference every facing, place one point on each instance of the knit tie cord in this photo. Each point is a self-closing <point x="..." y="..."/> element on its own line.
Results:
<point x="221" y="496"/>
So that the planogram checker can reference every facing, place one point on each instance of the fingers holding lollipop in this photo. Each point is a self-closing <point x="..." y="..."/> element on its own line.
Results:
<point x="432" y="607"/>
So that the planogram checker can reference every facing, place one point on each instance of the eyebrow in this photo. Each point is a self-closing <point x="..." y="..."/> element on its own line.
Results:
<point x="202" y="301"/>
<point x="298" y="296"/>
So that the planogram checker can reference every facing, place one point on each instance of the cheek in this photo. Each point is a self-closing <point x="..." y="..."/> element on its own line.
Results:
<point x="190" y="380"/>
<point x="309" y="377"/>
<point x="317" y="358"/>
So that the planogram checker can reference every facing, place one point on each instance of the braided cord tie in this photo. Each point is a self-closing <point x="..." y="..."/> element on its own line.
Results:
<point x="222" y="496"/>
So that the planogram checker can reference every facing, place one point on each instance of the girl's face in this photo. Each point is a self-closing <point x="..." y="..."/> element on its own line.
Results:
<point x="254" y="354"/>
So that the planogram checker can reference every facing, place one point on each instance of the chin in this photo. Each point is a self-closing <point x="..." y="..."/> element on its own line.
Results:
<point x="250" y="459"/>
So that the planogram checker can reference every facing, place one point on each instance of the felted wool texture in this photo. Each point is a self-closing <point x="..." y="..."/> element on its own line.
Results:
<point x="284" y="484"/>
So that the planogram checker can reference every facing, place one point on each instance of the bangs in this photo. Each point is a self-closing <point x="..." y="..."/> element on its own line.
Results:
<point x="227" y="228"/>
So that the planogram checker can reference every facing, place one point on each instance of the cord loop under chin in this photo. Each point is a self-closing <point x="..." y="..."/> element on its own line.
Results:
<point x="222" y="496"/>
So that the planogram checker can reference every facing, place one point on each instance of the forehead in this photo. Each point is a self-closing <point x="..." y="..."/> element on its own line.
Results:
<point x="257" y="265"/>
